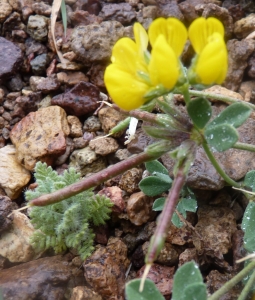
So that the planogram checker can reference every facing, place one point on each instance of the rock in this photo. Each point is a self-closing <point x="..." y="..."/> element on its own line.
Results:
<point x="87" y="161"/>
<point x="222" y="14"/>
<point x="45" y="85"/>
<point x="245" y="26"/>
<point x="92" y="124"/>
<point x="79" y="143"/>
<point x="251" y="66"/>
<point x="247" y="90"/>
<point x="168" y="9"/>
<point x="75" y="126"/>
<point x="93" y="7"/>
<point x="121" y="12"/>
<point x="5" y="10"/>
<point x="23" y="105"/>
<point x="37" y="27"/>
<point x="81" y="17"/>
<point x="35" y="47"/>
<point x="216" y="225"/>
<point x="45" y="278"/>
<point x="39" y="64"/>
<point x="109" y="118"/>
<point x="15" y="84"/>
<point x="115" y="194"/>
<point x="139" y="208"/>
<point x="71" y="78"/>
<point x="130" y="179"/>
<point x="96" y="74"/>
<point x="83" y="292"/>
<point x="168" y="256"/>
<point x="105" y="269"/>
<point x="6" y="207"/>
<point x="10" y="59"/>
<point x="140" y="142"/>
<point x="179" y="236"/>
<point x="69" y="149"/>
<point x="189" y="12"/>
<point x="85" y="41"/>
<point x="104" y="146"/>
<point x="41" y="8"/>
<point x="15" y="243"/>
<point x="238" y="54"/>
<point x="80" y="100"/>
<point x="187" y="255"/>
<point x="215" y="280"/>
<point x="162" y="276"/>
<point x="122" y="154"/>
<point x="39" y="136"/>
<point x="13" y="177"/>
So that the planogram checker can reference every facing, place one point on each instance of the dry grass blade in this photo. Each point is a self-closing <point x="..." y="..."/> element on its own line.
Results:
<point x="54" y="14"/>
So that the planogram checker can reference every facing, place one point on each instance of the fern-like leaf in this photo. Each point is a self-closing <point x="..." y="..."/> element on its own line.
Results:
<point x="65" y="224"/>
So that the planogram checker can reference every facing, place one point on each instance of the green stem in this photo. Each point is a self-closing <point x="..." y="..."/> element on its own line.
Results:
<point x="220" y="97"/>
<point x="218" y="167"/>
<point x="244" y="146"/>
<point x="232" y="282"/>
<point x="186" y="94"/>
<point x="246" y="290"/>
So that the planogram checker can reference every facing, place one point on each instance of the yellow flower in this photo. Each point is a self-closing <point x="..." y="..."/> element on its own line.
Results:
<point x="172" y="29"/>
<point x="207" y="39"/>
<point x="164" y="67"/>
<point x="133" y="74"/>
<point x="122" y="79"/>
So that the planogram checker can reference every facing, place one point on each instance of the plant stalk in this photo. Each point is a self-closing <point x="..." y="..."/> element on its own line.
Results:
<point x="158" y="239"/>
<point x="92" y="181"/>
<point x="220" y="97"/>
<point x="218" y="167"/>
<point x="246" y="290"/>
<point x="232" y="282"/>
<point x="244" y="146"/>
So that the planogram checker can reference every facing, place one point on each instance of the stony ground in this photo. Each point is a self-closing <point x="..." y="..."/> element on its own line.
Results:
<point x="50" y="112"/>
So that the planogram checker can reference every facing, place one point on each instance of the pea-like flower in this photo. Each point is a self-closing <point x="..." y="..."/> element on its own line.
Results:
<point x="211" y="64"/>
<point x="134" y="73"/>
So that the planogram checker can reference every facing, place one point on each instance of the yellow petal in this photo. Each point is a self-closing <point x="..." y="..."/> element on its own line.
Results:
<point x="124" y="54"/>
<point x="141" y="38"/>
<point x="125" y="90"/>
<point x="212" y="64"/>
<point x="201" y="29"/>
<point x="172" y="29"/>
<point x="164" y="64"/>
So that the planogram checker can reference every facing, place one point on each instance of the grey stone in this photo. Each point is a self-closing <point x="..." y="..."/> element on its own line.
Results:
<point x="37" y="27"/>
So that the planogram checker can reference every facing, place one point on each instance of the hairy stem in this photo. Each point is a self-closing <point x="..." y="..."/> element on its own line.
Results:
<point x="232" y="282"/>
<point x="92" y="181"/>
<point x="246" y="290"/>
<point x="218" y="167"/>
<point x="244" y="146"/>
<point x="220" y="97"/>
<point x="158" y="239"/>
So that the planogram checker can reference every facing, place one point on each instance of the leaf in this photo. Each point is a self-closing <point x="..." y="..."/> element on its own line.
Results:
<point x="153" y="186"/>
<point x="155" y="166"/>
<point x="235" y="115"/>
<point x="249" y="180"/>
<point x="64" y="15"/>
<point x="159" y="204"/>
<point x="185" y="277"/>
<point x="248" y="225"/>
<point x="150" y="291"/>
<point x="196" y="291"/>
<point x="221" y="137"/>
<point x="183" y="206"/>
<point x="200" y="111"/>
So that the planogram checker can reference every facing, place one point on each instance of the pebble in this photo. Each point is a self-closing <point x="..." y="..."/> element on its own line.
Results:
<point x="37" y="27"/>
<point x="104" y="146"/>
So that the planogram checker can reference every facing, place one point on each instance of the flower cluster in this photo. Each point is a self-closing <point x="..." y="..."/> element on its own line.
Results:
<point x="135" y="73"/>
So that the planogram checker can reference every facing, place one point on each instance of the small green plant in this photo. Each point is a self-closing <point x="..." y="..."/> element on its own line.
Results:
<point x="65" y="224"/>
<point x="139" y="80"/>
<point x="160" y="182"/>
